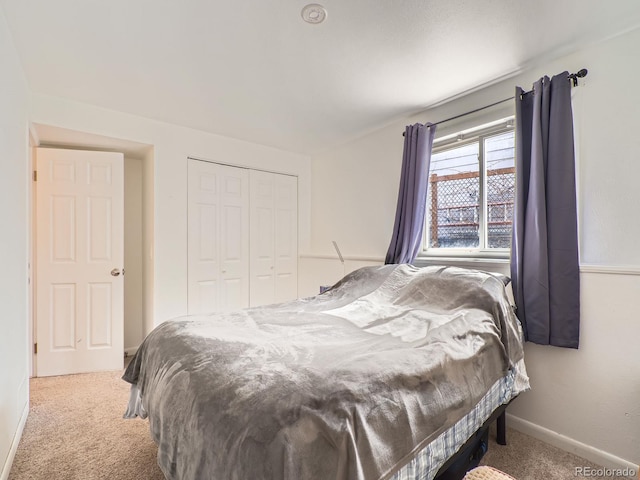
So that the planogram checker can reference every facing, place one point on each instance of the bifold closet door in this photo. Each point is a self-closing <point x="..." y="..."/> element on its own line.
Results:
<point x="218" y="237"/>
<point x="274" y="238"/>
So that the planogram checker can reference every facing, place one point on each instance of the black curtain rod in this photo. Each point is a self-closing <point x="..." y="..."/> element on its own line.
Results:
<point x="573" y="77"/>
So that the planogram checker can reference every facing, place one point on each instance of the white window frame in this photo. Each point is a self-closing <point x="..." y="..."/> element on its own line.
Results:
<point x="469" y="255"/>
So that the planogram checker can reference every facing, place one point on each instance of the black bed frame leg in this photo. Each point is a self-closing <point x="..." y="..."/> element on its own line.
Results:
<point x="502" y="428"/>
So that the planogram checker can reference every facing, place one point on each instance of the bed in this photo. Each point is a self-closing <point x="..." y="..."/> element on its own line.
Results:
<point x="384" y="376"/>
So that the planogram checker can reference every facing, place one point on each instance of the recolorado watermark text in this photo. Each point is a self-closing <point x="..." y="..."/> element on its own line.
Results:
<point x="602" y="472"/>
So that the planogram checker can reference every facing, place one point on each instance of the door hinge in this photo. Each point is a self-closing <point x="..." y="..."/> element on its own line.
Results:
<point x="35" y="348"/>
<point x="35" y="175"/>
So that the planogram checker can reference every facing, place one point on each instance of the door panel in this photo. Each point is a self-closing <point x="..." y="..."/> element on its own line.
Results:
<point x="63" y="316"/>
<point x="62" y="226"/>
<point x="262" y="247"/>
<point x="286" y="237"/>
<point x="206" y="292"/>
<point x="79" y="240"/>
<point x="100" y="221"/>
<point x="274" y="234"/>
<point x="99" y="311"/>
<point x="203" y="276"/>
<point x="218" y="244"/>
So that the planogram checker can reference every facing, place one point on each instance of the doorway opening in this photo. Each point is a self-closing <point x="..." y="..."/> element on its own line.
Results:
<point x="137" y="228"/>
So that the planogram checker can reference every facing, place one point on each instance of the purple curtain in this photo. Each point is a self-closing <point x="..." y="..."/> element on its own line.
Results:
<point x="544" y="252"/>
<point x="412" y="196"/>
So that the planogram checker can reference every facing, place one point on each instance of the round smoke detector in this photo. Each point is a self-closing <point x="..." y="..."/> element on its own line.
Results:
<point x="314" y="13"/>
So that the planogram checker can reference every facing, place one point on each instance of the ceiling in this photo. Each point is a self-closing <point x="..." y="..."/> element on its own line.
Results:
<point x="254" y="70"/>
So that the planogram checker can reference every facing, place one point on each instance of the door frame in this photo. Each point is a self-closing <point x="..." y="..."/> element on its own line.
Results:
<point x="79" y="140"/>
<point x="34" y="142"/>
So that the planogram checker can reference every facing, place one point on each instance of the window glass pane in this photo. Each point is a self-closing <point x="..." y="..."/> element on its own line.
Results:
<point x="453" y="198"/>
<point x="501" y="181"/>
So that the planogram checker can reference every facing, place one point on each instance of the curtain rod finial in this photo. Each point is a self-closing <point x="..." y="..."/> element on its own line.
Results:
<point x="579" y="74"/>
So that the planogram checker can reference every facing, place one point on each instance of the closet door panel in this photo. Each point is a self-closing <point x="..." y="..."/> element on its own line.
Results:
<point x="274" y="238"/>
<point x="218" y="237"/>
<point x="262" y="238"/>
<point x="286" y="237"/>
<point x="202" y="239"/>
<point x="234" y="238"/>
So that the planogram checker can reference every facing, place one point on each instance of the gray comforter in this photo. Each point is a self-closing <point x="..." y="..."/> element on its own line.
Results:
<point x="345" y="385"/>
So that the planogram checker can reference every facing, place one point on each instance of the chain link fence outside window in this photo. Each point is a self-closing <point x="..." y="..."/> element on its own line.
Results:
<point x="455" y="209"/>
<point x="453" y="198"/>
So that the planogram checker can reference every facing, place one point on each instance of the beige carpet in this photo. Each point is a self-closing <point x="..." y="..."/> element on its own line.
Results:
<point x="527" y="458"/>
<point x="75" y="430"/>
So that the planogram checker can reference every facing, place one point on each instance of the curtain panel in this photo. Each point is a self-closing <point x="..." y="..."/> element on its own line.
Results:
<point x="412" y="195"/>
<point x="544" y="253"/>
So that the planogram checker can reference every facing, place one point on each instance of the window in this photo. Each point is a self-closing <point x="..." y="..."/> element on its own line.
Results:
<point x="471" y="193"/>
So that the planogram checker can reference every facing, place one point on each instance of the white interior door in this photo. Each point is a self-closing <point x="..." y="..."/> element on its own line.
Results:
<point x="79" y="261"/>
<point x="274" y="238"/>
<point x="218" y="237"/>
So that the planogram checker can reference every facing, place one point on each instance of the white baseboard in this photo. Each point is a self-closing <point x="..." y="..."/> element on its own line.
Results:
<point x="128" y="352"/>
<point x="594" y="455"/>
<point x="6" y="468"/>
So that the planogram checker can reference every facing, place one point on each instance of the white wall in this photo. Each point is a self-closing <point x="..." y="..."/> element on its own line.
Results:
<point x="165" y="267"/>
<point x="590" y="396"/>
<point x="133" y="254"/>
<point x="148" y="225"/>
<point x="14" y="256"/>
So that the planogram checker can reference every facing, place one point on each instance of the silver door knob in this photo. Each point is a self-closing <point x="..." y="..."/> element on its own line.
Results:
<point x="115" y="272"/>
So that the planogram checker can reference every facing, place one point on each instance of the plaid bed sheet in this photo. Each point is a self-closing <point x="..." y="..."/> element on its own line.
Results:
<point x="427" y="462"/>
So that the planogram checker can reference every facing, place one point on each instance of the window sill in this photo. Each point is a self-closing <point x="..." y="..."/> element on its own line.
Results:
<point x="476" y="260"/>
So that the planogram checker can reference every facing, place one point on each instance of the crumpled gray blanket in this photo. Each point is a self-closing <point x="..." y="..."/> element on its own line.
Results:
<point x="345" y="385"/>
